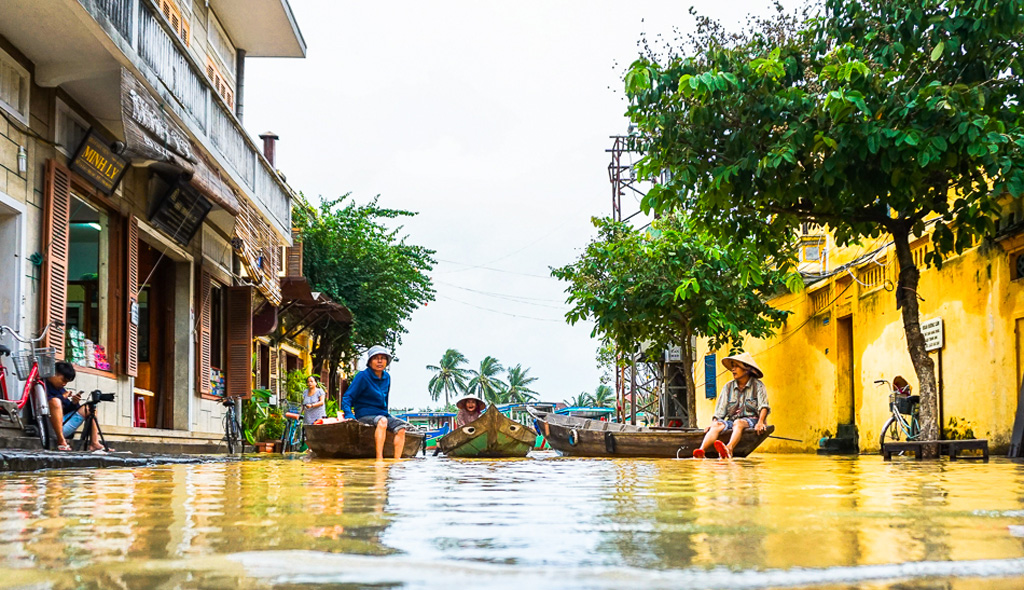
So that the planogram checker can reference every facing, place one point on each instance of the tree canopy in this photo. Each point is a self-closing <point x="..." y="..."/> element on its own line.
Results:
<point x="874" y="118"/>
<point x="449" y="376"/>
<point x="350" y="254"/>
<point x="662" y="286"/>
<point x="485" y="382"/>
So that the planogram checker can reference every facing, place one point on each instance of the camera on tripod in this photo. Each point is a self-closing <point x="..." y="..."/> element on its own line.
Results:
<point x="98" y="396"/>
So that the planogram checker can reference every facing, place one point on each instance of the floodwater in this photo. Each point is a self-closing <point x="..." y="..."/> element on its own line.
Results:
<point x="769" y="521"/>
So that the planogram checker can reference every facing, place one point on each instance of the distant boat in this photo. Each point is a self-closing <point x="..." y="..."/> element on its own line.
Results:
<point x="492" y="435"/>
<point x="434" y="424"/>
<point x="584" y="437"/>
<point x="352" y="439"/>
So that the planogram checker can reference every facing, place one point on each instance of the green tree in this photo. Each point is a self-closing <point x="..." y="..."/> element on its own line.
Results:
<point x="603" y="397"/>
<point x="580" y="401"/>
<point x="876" y="118"/>
<point x="518" y="387"/>
<point x="668" y="284"/>
<point x="485" y="382"/>
<point x="448" y="377"/>
<point x="350" y="254"/>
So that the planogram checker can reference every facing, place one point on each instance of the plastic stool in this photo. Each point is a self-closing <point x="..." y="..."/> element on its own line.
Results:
<point x="140" y="412"/>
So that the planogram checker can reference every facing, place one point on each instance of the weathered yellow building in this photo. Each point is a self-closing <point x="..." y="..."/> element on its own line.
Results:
<point x="845" y="333"/>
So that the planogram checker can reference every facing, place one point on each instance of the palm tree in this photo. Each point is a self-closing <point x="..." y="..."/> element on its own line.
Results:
<point x="580" y="401"/>
<point x="603" y="397"/>
<point x="449" y="377"/>
<point x="518" y="385"/>
<point x="485" y="382"/>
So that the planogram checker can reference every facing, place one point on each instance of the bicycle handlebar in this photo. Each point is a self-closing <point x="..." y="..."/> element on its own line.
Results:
<point x="14" y="334"/>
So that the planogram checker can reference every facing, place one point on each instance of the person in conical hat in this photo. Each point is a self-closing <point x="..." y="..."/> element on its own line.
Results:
<point x="742" y="404"/>
<point x="470" y="408"/>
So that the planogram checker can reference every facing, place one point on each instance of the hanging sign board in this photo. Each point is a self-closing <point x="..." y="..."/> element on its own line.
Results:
<point x="674" y="354"/>
<point x="932" y="332"/>
<point x="98" y="164"/>
<point x="180" y="213"/>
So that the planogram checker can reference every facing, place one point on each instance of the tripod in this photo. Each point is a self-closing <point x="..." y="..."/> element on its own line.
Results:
<point x="89" y="425"/>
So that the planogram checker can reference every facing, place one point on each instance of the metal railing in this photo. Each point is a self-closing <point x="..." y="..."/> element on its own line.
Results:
<point x="120" y="13"/>
<point x="159" y="52"/>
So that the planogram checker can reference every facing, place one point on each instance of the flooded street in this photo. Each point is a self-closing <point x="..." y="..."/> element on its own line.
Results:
<point x="771" y="521"/>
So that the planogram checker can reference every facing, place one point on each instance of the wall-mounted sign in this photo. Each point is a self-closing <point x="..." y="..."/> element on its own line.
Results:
<point x="674" y="354"/>
<point x="98" y="164"/>
<point x="932" y="332"/>
<point x="180" y="213"/>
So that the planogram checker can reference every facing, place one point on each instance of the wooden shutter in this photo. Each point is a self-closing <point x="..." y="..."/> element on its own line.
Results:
<point x="274" y="370"/>
<point x="56" y="215"/>
<point x="131" y="366"/>
<point x="293" y="257"/>
<point x="238" y="363"/>
<point x="205" y="326"/>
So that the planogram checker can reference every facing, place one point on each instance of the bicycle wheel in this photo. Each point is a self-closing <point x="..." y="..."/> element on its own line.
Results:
<point x="44" y="429"/>
<point x="230" y="431"/>
<point x="296" y="438"/>
<point x="286" y="437"/>
<point x="891" y="432"/>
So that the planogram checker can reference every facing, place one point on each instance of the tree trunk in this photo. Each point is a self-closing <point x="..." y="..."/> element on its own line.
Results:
<point x="906" y="296"/>
<point x="690" y="403"/>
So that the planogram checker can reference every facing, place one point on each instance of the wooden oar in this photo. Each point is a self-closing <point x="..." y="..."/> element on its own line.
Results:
<point x="784" y="438"/>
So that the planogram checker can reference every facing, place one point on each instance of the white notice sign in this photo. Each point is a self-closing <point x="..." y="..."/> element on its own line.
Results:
<point x="932" y="331"/>
<point x="674" y="354"/>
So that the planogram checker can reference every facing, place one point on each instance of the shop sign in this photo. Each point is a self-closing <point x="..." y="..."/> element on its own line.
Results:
<point x="180" y="213"/>
<point x="98" y="164"/>
<point x="932" y="332"/>
<point x="674" y="354"/>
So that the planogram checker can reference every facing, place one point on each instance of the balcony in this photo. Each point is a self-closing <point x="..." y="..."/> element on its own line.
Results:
<point x="63" y="40"/>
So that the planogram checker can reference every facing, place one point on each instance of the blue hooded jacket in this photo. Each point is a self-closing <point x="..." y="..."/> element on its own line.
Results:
<point x="367" y="395"/>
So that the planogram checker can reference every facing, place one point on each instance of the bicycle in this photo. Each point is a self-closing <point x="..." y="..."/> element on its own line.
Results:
<point x="903" y="424"/>
<point x="232" y="429"/>
<point x="31" y="365"/>
<point x="294" y="437"/>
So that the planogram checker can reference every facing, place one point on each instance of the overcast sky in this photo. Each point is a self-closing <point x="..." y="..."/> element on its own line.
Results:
<point x="491" y="120"/>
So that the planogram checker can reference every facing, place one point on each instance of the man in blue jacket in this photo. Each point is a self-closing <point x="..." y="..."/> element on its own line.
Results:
<point x="366" y="400"/>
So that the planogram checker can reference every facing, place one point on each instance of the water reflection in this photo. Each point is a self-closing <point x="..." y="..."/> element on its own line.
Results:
<point x="850" y="521"/>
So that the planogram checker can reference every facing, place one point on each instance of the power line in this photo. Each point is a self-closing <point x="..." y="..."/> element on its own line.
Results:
<point x="501" y="312"/>
<point x="474" y="266"/>
<point x="513" y="298"/>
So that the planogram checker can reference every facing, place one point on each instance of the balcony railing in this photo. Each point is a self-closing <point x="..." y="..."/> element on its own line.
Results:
<point x="146" y="32"/>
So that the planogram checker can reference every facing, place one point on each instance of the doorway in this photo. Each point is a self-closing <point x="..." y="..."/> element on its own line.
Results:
<point x="845" y="402"/>
<point x="155" y="382"/>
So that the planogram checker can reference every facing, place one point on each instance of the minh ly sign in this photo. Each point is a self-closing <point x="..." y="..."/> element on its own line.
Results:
<point x="98" y="164"/>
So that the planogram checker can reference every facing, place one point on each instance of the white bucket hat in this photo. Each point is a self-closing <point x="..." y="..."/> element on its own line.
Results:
<point x="374" y="351"/>
<point x="747" y="359"/>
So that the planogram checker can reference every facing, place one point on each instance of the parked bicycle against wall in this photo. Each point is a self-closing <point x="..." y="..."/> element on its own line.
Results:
<point x="903" y="424"/>
<point x="293" y="439"/>
<point x="232" y="429"/>
<point x="31" y="365"/>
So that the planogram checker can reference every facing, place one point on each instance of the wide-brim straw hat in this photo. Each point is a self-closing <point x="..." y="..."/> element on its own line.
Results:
<point x="461" y="404"/>
<point x="375" y="350"/>
<point x="747" y="359"/>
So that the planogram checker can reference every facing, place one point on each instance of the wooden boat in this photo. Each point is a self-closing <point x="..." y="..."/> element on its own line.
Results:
<point x="354" y="440"/>
<point x="583" y="437"/>
<point x="491" y="435"/>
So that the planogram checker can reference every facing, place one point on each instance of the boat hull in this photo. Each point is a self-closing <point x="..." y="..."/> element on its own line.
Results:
<point x="354" y="440"/>
<point x="492" y="435"/>
<point x="579" y="437"/>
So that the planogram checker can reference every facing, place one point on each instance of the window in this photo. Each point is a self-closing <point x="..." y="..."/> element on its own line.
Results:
<point x="14" y="86"/>
<point x="216" y="327"/>
<point x="71" y="129"/>
<point x="220" y="44"/>
<point x="179" y="22"/>
<point x="219" y="82"/>
<point x="87" y="285"/>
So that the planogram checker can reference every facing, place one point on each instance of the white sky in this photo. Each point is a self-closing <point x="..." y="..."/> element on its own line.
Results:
<point x="491" y="119"/>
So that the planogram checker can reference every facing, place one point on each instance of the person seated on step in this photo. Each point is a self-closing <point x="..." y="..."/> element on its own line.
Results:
<point x="470" y="408"/>
<point x="66" y="412"/>
<point x="366" y="400"/>
<point x="742" y="404"/>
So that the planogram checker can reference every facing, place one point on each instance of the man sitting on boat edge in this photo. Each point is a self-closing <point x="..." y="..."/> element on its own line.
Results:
<point x="470" y="408"/>
<point x="366" y="400"/>
<point x="742" y="404"/>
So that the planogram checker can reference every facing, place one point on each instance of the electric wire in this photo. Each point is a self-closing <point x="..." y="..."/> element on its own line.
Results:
<point x="512" y="298"/>
<point x="524" y="317"/>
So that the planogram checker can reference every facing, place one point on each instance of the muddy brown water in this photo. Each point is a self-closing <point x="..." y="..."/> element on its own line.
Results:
<point x="769" y="521"/>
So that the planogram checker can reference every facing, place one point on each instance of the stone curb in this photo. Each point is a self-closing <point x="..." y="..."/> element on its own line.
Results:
<point x="30" y="460"/>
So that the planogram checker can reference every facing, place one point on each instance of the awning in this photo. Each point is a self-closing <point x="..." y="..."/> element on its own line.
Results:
<point x="299" y="298"/>
<point x="153" y="138"/>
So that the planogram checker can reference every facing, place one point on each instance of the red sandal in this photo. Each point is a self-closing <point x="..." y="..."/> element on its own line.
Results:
<point x="723" y="451"/>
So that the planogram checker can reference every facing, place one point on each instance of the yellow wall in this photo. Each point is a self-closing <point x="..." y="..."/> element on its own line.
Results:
<point x="973" y="293"/>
